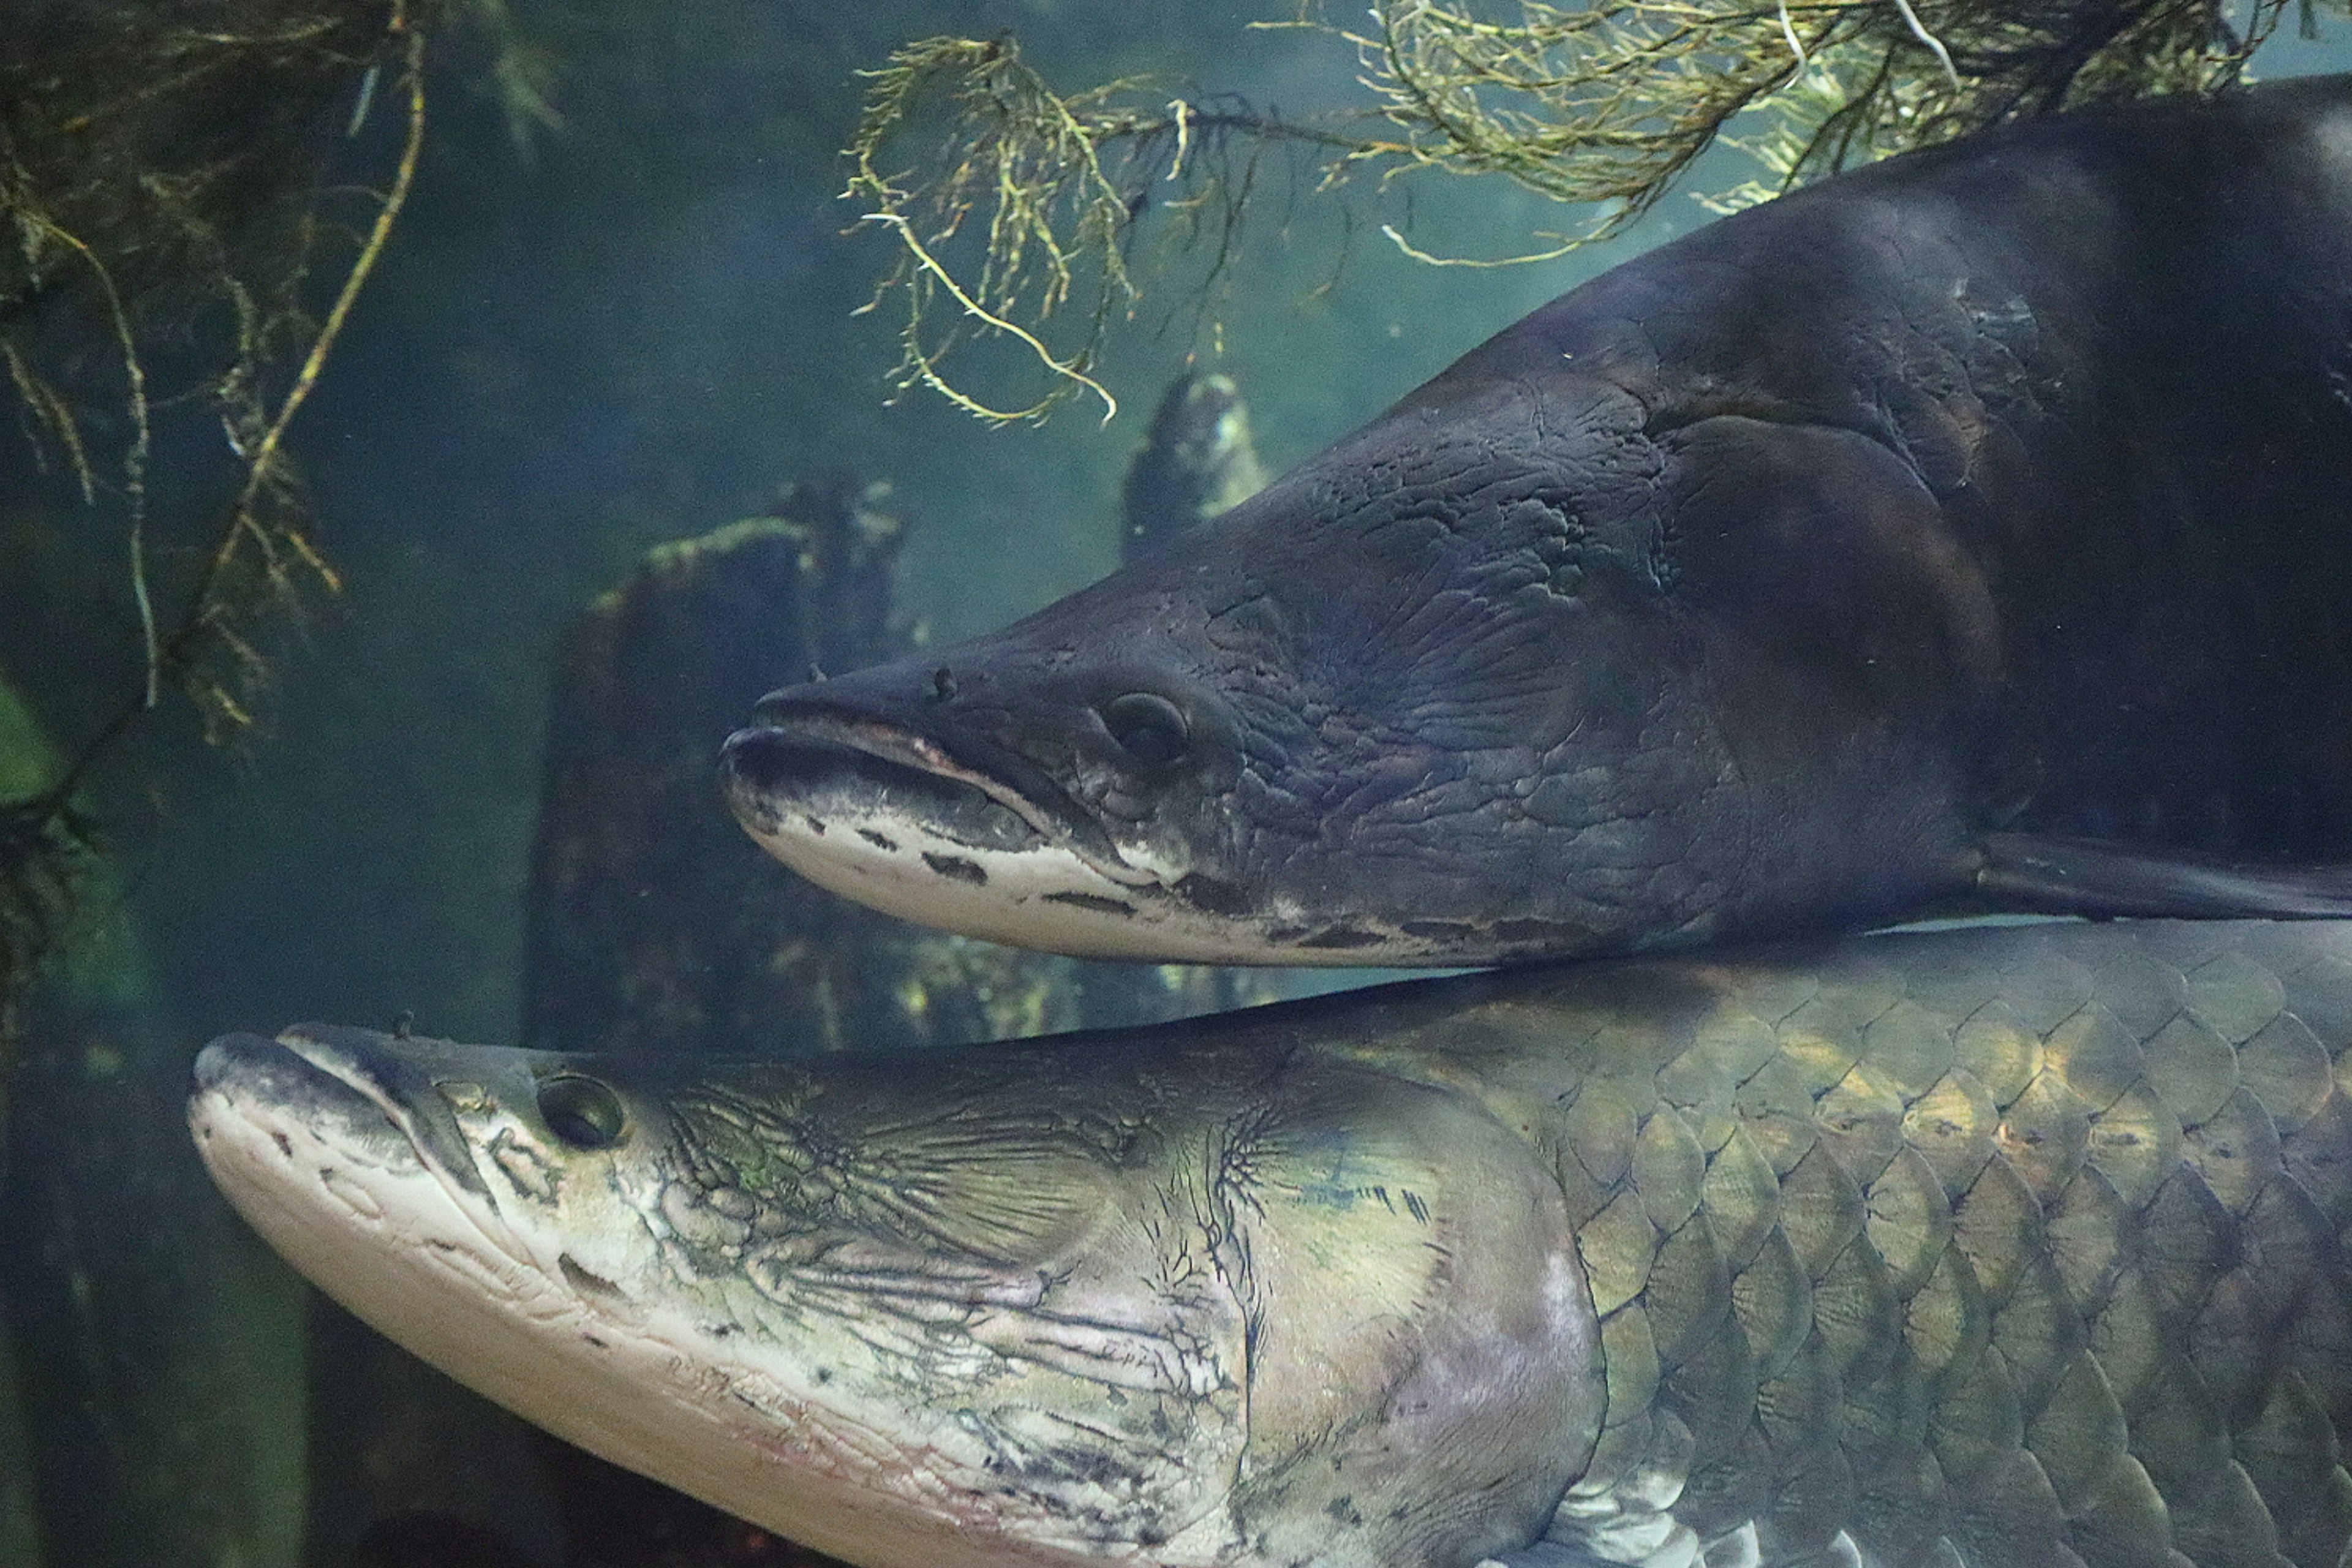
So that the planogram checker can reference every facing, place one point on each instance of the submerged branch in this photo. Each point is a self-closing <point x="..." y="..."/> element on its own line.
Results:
<point x="1061" y="184"/>
<point x="148" y="233"/>
<point x="264" y="461"/>
<point x="1029" y="199"/>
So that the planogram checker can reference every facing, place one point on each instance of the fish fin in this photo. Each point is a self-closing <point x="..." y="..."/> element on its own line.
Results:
<point x="1546" y="1554"/>
<point x="1736" y="1550"/>
<point x="2102" y="877"/>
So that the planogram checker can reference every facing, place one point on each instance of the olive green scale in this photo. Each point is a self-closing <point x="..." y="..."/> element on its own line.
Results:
<point x="1998" y="1251"/>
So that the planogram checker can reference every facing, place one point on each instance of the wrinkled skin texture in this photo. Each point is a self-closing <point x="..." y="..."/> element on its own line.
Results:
<point x="1748" y="588"/>
<point x="1997" y="1248"/>
<point x="1176" y="1307"/>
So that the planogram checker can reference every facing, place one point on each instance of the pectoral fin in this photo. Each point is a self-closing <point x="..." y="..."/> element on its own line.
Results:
<point x="2102" y="877"/>
<point x="1669" y="1543"/>
<point x="1546" y="1554"/>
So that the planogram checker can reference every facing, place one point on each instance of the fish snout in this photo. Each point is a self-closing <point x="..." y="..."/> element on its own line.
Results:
<point x="813" y="776"/>
<point x="248" y="1084"/>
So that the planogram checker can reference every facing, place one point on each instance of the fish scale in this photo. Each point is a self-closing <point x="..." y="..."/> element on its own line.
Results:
<point x="2061" y="1268"/>
<point x="2014" y="1248"/>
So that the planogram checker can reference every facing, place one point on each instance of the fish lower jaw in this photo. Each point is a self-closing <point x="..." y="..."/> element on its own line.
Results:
<point x="1043" y="897"/>
<point x="332" y="1212"/>
<point x="1051" y="899"/>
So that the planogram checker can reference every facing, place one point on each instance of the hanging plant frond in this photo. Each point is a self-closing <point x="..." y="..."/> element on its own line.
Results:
<point x="161" y="176"/>
<point x="1018" y="222"/>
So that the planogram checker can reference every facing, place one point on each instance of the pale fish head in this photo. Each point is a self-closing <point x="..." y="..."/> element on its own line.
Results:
<point x="1014" y="1306"/>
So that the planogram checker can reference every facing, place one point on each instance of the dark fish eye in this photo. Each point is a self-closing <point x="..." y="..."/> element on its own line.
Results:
<point x="582" y="1111"/>
<point x="1148" y="727"/>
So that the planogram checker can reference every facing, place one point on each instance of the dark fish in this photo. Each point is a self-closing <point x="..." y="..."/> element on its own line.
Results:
<point x="1978" y="524"/>
<point x="1992" y="1249"/>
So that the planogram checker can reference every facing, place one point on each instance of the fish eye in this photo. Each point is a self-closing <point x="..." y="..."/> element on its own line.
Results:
<point x="1148" y="727"/>
<point x="582" y="1111"/>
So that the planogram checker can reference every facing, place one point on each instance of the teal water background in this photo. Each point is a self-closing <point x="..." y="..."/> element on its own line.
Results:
<point x="638" y="328"/>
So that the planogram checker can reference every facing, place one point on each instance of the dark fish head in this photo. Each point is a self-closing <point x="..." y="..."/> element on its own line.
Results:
<point x="1040" y="788"/>
<point x="1185" y="1302"/>
<point x="1513" y="671"/>
<point x="1428" y="699"/>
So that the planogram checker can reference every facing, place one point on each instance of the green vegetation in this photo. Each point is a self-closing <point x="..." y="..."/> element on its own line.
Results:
<point x="1018" y="209"/>
<point x="184" y="202"/>
<point x="164" y="188"/>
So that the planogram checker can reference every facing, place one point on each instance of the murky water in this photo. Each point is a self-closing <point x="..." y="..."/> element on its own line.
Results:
<point x="470" y="802"/>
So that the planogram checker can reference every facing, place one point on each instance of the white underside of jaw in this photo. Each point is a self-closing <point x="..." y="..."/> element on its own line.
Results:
<point x="1042" y="896"/>
<point x="645" y="1390"/>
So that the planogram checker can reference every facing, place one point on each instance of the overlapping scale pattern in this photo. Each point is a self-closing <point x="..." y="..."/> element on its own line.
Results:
<point x="2015" y="1253"/>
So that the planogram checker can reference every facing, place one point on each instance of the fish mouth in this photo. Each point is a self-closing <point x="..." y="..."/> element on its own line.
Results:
<point x="266" y="1083"/>
<point x="888" y="817"/>
<point x="334" y="1101"/>
<point x="368" y="1095"/>
<point x="375" y="1198"/>
<point x="831" y="769"/>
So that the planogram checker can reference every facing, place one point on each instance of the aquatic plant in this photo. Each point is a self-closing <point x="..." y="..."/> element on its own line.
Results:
<point x="164" y="188"/>
<point x="132" y="173"/>
<point x="1018" y="210"/>
<point x="1059" y="183"/>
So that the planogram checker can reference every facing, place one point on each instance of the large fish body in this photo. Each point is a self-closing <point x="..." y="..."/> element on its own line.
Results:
<point x="1992" y="1249"/>
<point x="1973" y="523"/>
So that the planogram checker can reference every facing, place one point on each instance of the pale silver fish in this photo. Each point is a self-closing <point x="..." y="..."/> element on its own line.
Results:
<point x="1994" y="1248"/>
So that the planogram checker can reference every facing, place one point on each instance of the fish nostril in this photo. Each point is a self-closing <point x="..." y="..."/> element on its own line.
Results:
<point x="1148" y="727"/>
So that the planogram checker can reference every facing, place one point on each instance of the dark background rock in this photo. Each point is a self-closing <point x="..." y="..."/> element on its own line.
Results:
<point x="401" y="1456"/>
<point x="158" y="1347"/>
<point x="151" y="1350"/>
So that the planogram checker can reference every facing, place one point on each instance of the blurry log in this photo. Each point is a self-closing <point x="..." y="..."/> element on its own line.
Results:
<point x="392" y="1439"/>
<point x="20" y="1533"/>
<point x="158" y="1345"/>
<point x="1197" y="460"/>
<point x="655" y="924"/>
